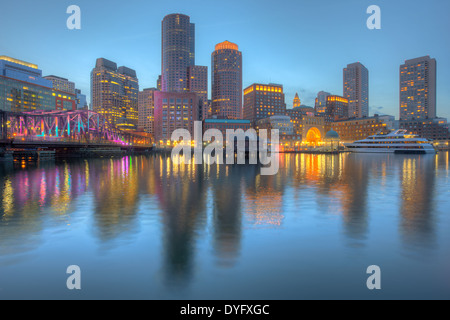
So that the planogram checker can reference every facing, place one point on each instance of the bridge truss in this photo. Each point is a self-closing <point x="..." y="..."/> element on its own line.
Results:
<point x="76" y="127"/>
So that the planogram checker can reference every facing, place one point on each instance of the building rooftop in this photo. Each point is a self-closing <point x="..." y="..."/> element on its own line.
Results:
<point x="332" y="135"/>
<point x="56" y="77"/>
<point x="237" y="121"/>
<point x="226" y="45"/>
<point x="23" y="63"/>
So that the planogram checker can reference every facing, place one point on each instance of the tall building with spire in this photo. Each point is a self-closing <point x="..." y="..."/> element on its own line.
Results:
<point x="226" y="80"/>
<point x="297" y="101"/>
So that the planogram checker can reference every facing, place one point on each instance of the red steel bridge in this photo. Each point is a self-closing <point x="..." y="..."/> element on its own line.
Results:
<point x="66" y="129"/>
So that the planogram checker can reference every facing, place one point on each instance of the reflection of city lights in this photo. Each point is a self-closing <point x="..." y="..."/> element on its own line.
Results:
<point x="8" y="197"/>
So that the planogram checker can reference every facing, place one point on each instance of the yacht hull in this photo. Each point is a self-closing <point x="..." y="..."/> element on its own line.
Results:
<point x="392" y="150"/>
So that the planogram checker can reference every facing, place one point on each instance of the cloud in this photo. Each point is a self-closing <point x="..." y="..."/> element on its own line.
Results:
<point x="376" y="110"/>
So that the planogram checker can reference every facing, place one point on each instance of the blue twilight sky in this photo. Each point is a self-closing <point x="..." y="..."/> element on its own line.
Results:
<point x="302" y="44"/>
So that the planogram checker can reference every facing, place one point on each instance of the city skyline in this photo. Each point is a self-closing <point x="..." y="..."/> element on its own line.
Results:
<point x="291" y="57"/>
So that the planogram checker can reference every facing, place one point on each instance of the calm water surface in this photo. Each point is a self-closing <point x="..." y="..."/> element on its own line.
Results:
<point x="146" y="228"/>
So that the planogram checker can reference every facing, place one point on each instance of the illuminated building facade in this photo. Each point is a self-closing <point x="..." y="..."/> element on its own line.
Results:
<point x="226" y="81"/>
<point x="174" y="111"/>
<point x="146" y="107"/>
<point x="178" y="52"/>
<point x="262" y="101"/>
<point x="356" y="90"/>
<point x="198" y="83"/>
<point x="22" y="88"/>
<point x="352" y="130"/>
<point x="313" y="129"/>
<point x="321" y="102"/>
<point x="336" y="108"/>
<point x="418" y="89"/>
<point x="114" y="94"/>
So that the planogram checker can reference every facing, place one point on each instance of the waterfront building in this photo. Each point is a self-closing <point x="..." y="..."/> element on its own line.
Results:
<point x="313" y="129"/>
<point x="356" y="90"/>
<point x="146" y="107"/>
<point x="114" y="94"/>
<point x="22" y="88"/>
<point x="198" y="83"/>
<point x="434" y="129"/>
<point x="262" y="101"/>
<point x="288" y="138"/>
<point x="174" y="110"/>
<point x="351" y="130"/>
<point x="418" y="89"/>
<point x="296" y="114"/>
<point x="178" y="52"/>
<point x="321" y="102"/>
<point x="226" y="81"/>
<point x="279" y="122"/>
<point x="226" y="124"/>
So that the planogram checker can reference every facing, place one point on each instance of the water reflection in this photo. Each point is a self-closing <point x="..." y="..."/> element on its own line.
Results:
<point x="417" y="200"/>
<point x="193" y="200"/>
<point x="181" y="192"/>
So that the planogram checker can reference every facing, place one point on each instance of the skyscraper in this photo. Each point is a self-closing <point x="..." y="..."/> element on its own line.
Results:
<point x="178" y="52"/>
<point x="226" y="78"/>
<point x="418" y="89"/>
<point x="356" y="90"/>
<point x="114" y="94"/>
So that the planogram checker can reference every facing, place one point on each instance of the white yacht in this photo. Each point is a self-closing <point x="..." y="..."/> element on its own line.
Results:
<point x="395" y="142"/>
